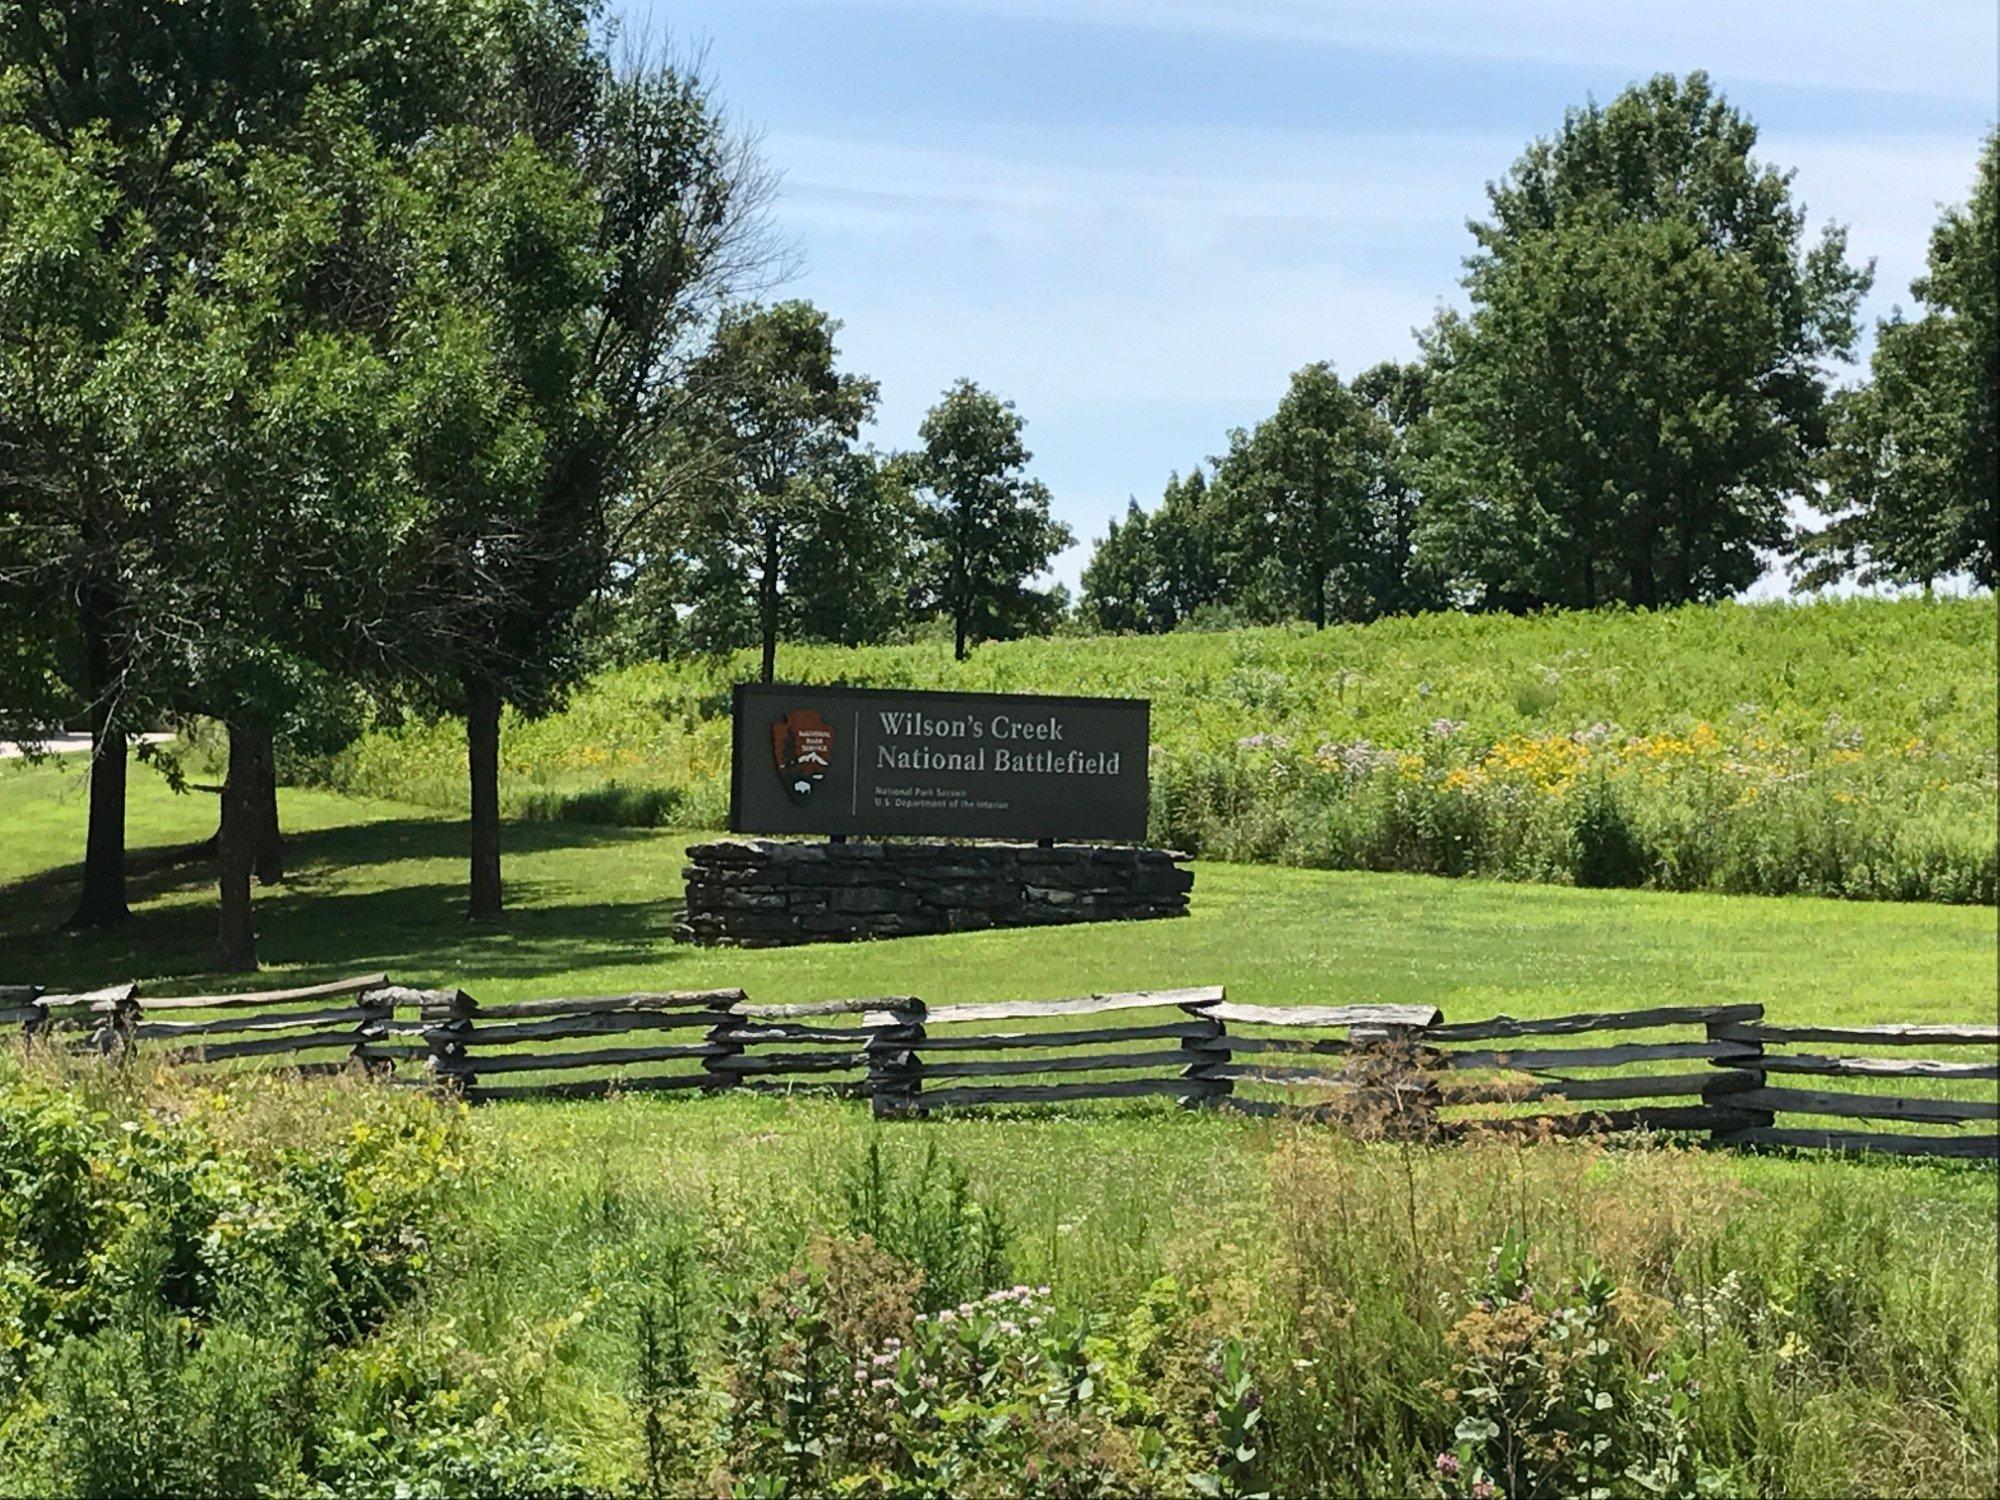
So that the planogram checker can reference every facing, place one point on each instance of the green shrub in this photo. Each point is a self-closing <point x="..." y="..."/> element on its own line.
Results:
<point x="615" y="803"/>
<point x="417" y="1413"/>
<point x="1000" y="1394"/>
<point x="135" y="1408"/>
<point x="1553" y="1397"/>
<point x="1609" y="851"/>
<point x="180" y="1266"/>
<point x="927" y="1216"/>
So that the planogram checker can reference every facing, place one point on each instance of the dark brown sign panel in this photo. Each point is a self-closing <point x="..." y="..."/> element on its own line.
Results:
<point x="954" y="765"/>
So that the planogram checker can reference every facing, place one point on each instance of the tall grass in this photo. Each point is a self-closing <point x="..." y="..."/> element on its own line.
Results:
<point x="1843" y="748"/>
<point x="781" y="1297"/>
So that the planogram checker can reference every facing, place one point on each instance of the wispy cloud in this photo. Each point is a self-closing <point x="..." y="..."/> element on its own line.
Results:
<point x="1932" y="47"/>
<point x="1165" y="184"/>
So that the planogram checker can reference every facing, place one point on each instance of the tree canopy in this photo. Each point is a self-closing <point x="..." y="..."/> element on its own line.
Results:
<point x="1640" y="385"/>
<point x="988" y="523"/>
<point x="1913" y="473"/>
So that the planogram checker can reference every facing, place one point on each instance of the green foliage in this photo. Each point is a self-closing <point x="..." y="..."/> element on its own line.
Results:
<point x="1239" y="1411"/>
<point x="135" y="1408"/>
<point x="1913" y="473"/>
<point x="1640" y="385"/>
<point x="987" y="523"/>
<point x="1313" y="529"/>
<point x="665" y="1297"/>
<point x="782" y="421"/>
<point x="1310" y="516"/>
<point x="1714" y="748"/>
<point x="1609" y="851"/>
<point x="100" y="1200"/>
<point x="1001" y="1393"/>
<point x="927" y="1216"/>
<point x="664" y="1369"/>
<point x="416" y="1412"/>
<point x="195" y="1282"/>
<point x="1161" y="570"/>
<point x="1555" y="1396"/>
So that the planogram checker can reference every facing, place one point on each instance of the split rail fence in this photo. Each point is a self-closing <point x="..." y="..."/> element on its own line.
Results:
<point x="1718" y="1071"/>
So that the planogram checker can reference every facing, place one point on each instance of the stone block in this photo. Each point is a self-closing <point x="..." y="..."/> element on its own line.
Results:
<point x="767" y="892"/>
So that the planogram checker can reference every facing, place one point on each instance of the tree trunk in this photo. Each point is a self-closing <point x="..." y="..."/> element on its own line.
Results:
<point x="236" y="849"/>
<point x="269" y="844"/>
<point x="767" y="602"/>
<point x="1644" y="584"/>
<point x="958" y="637"/>
<point x="482" y="750"/>
<point x="102" y="900"/>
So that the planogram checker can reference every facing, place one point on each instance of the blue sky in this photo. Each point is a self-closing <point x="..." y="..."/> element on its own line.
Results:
<point x="1136" y="217"/>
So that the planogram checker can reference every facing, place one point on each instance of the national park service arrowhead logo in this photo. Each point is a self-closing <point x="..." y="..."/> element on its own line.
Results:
<point x="802" y="746"/>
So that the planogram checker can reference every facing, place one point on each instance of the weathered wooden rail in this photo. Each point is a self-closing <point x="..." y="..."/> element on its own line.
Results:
<point x="1395" y="1070"/>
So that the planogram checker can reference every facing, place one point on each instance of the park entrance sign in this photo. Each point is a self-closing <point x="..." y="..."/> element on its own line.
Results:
<point x="868" y="762"/>
<point x="949" y="812"/>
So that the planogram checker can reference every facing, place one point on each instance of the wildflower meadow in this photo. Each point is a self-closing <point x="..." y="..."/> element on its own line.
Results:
<point x="1721" y="747"/>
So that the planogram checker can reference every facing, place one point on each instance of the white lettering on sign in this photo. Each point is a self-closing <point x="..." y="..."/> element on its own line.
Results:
<point x="971" y="764"/>
<point x="1005" y="728"/>
<point x="924" y="727"/>
<point x="1057" y="762"/>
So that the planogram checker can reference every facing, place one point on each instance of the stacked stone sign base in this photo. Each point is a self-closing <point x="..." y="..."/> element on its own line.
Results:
<point x="761" y="893"/>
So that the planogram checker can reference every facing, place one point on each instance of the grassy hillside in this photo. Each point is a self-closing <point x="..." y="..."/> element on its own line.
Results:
<point x="1841" y="748"/>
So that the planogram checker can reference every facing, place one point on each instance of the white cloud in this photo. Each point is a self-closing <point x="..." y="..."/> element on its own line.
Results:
<point x="1942" y="48"/>
<point x="1173" y="265"/>
<point x="1153" y="264"/>
<point x="1888" y="190"/>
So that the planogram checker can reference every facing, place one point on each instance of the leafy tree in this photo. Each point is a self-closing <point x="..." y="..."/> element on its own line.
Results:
<point x="159" y="105"/>
<point x="1122" y="582"/>
<point x="1639" y="386"/>
<point x="853" y="567"/>
<point x="987" y="522"/>
<point x="71" y="269"/>
<point x="1400" y="396"/>
<point x="785" y="419"/>
<point x="1186" y="540"/>
<point x="1155" y="569"/>
<point x="1308" y="491"/>
<point x="1914" y="468"/>
<point x="856" y="576"/>
<point x="513" y="543"/>
<point x="287" y="415"/>
<point x="608" y="333"/>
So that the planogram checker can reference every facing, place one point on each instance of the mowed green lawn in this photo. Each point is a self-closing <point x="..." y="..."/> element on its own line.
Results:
<point x="379" y="885"/>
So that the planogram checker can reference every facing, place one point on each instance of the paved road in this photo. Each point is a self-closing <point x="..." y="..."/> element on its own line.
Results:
<point x="65" y="744"/>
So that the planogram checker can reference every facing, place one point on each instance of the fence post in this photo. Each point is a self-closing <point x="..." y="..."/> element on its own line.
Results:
<point x="726" y="1036"/>
<point x="1736" y="1076"/>
<point x="1206" y="1054"/>
<point x="447" y="1021"/>
<point x="894" y="1055"/>
<point x="110" y="1014"/>
<point x="117" y="1014"/>
<point x="378" y="1015"/>
<point x="17" y="1003"/>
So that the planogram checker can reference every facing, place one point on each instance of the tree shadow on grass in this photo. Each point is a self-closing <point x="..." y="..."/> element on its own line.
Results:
<point x="317" y="921"/>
